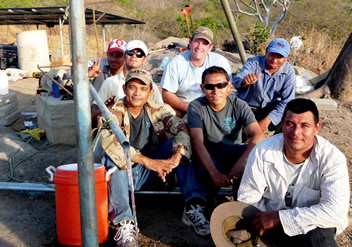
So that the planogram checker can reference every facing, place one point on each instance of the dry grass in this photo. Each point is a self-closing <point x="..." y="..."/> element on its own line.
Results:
<point x="318" y="53"/>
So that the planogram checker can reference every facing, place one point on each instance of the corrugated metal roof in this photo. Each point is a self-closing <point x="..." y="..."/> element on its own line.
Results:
<point x="49" y="16"/>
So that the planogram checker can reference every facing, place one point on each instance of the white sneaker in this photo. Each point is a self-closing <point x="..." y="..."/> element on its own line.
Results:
<point x="125" y="235"/>
<point x="196" y="218"/>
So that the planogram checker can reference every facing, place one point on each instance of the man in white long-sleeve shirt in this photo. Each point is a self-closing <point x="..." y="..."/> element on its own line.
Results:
<point x="299" y="181"/>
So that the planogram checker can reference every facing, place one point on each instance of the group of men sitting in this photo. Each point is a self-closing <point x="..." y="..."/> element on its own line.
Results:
<point x="298" y="180"/>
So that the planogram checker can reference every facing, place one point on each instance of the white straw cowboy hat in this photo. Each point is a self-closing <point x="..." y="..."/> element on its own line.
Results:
<point x="231" y="226"/>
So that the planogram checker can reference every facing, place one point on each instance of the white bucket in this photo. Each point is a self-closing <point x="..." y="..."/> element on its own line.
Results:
<point x="32" y="47"/>
<point x="4" y="83"/>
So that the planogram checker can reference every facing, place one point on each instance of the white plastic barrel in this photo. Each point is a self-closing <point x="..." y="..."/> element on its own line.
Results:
<point x="32" y="48"/>
<point x="4" y="83"/>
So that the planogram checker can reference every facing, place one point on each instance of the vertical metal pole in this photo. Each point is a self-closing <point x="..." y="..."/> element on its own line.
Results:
<point x="236" y="35"/>
<point x="86" y="178"/>
<point x="104" y="38"/>
<point x="61" y="40"/>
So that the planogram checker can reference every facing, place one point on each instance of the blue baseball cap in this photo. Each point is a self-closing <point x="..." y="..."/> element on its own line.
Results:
<point x="280" y="46"/>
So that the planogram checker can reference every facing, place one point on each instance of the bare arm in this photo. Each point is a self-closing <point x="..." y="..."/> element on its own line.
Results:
<point x="174" y="101"/>
<point x="264" y="123"/>
<point x="219" y="179"/>
<point x="256" y="135"/>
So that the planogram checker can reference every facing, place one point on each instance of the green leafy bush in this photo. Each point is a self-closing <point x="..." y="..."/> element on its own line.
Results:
<point x="257" y="37"/>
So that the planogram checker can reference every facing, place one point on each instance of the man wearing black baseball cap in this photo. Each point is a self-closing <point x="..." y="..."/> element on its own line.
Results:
<point x="267" y="83"/>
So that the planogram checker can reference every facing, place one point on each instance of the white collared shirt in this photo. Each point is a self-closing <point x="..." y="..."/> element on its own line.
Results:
<point x="321" y="196"/>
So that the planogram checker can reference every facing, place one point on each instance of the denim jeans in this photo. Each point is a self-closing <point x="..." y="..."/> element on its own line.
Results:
<point x="118" y="186"/>
<point x="223" y="161"/>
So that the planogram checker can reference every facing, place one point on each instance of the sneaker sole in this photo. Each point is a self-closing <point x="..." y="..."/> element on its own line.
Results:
<point x="189" y="223"/>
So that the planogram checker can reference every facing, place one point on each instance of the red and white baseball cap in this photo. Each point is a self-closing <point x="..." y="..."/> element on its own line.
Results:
<point x="117" y="45"/>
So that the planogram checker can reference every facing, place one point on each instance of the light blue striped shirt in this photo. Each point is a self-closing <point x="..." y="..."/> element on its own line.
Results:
<point x="269" y="88"/>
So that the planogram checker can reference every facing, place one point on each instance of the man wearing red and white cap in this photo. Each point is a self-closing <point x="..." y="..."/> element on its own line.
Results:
<point x="113" y="64"/>
<point x="135" y="56"/>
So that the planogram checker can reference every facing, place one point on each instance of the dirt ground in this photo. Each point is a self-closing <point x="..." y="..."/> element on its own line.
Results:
<point x="29" y="219"/>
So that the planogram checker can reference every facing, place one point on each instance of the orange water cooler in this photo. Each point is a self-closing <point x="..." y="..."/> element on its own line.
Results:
<point x="68" y="220"/>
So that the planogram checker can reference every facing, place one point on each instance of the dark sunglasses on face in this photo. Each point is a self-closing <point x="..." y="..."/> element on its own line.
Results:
<point x="212" y="86"/>
<point x="139" y="54"/>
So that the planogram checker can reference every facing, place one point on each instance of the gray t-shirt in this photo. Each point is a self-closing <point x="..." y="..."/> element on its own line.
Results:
<point x="221" y="129"/>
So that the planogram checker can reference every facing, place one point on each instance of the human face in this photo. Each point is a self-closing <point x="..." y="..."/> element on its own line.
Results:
<point x="274" y="61"/>
<point x="217" y="96"/>
<point x="115" y="60"/>
<point x="133" y="62"/>
<point x="299" y="131"/>
<point x="199" y="50"/>
<point x="137" y="93"/>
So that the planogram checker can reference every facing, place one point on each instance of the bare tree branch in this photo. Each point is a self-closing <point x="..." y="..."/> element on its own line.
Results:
<point x="261" y="10"/>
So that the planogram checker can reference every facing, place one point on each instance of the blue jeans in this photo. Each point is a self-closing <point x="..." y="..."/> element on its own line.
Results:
<point x="223" y="161"/>
<point x="118" y="186"/>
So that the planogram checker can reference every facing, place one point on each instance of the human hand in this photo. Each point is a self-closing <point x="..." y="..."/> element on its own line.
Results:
<point x="94" y="70"/>
<point x="220" y="180"/>
<point x="250" y="79"/>
<point x="264" y="221"/>
<point x="110" y="101"/>
<point x="238" y="169"/>
<point x="162" y="167"/>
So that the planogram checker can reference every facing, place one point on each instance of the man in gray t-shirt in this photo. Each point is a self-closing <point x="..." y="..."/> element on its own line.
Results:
<point x="215" y="121"/>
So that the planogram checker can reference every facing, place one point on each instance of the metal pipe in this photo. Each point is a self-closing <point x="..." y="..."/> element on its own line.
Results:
<point x="107" y="114"/>
<point x="86" y="179"/>
<point x="236" y="35"/>
<point x="104" y="38"/>
<point x="33" y="187"/>
<point x="27" y="187"/>
<point x="61" y="40"/>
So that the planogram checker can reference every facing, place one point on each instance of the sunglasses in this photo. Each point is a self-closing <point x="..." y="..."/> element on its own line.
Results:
<point x="139" y="54"/>
<point x="212" y="86"/>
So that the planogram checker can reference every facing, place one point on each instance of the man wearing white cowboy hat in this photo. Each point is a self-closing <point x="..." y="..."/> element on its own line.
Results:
<point x="299" y="181"/>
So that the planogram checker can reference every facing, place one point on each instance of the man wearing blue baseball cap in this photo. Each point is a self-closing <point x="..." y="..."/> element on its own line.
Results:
<point x="267" y="83"/>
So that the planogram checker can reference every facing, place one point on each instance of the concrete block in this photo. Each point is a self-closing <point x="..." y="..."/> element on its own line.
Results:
<point x="8" y="98"/>
<point x="8" y="109"/>
<point x="325" y="104"/>
<point x="9" y="119"/>
<point x="57" y="118"/>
